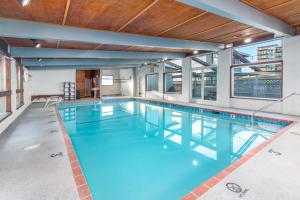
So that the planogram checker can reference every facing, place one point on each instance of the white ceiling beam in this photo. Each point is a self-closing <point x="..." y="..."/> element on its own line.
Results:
<point x="81" y="62"/>
<point x="21" y="52"/>
<point x="34" y="30"/>
<point x="240" y="12"/>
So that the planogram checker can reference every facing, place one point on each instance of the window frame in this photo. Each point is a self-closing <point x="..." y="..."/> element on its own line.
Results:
<point x="112" y="80"/>
<point x="20" y="85"/>
<point x="146" y="82"/>
<point x="7" y="93"/>
<point x="231" y="88"/>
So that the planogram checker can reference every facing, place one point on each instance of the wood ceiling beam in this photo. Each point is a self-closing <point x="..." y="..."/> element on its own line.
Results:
<point x="64" y="18"/>
<point x="210" y="29"/>
<point x="138" y="15"/>
<point x="132" y="19"/>
<point x="240" y="12"/>
<point x="182" y="23"/>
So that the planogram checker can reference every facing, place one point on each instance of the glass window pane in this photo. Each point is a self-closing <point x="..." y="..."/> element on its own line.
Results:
<point x="173" y="82"/>
<point x="152" y="82"/>
<point x="107" y="80"/>
<point x="258" y="81"/>
<point x="173" y="66"/>
<point x="210" y="83"/>
<point x="258" y="52"/>
<point x="196" y="81"/>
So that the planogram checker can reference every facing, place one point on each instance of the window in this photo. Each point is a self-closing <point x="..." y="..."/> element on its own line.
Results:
<point x="258" y="52"/>
<point x="210" y="83"/>
<point x="173" y="76"/>
<point x="107" y="80"/>
<point x="151" y="82"/>
<point x="257" y="81"/>
<point x="257" y="70"/>
<point x="173" y="66"/>
<point x="204" y="76"/>
<point x="197" y="83"/>
<point x="173" y="82"/>
<point x="19" y="91"/>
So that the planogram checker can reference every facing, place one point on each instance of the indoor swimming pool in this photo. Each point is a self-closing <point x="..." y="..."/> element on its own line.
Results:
<point x="134" y="149"/>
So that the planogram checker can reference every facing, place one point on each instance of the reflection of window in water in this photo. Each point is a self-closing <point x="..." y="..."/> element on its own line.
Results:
<point x="107" y="110"/>
<point x="152" y="117"/>
<point x="244" y="140"/>
<point x="173" y="121"/>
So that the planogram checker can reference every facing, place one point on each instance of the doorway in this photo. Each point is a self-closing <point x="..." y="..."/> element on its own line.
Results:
<point x="87" y="83"/>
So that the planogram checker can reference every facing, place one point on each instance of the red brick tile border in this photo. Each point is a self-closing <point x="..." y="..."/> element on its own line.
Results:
<point x="80" y="181"/>
<point x="203" y="188"/>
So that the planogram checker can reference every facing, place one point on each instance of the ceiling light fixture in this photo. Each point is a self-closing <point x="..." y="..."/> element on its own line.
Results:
<point x="195" y="52"/>
<point x="38" y="45"/>
<point x="39" y="59"/>
<point x="24" y="2"/>
<point x="247" y="40"/>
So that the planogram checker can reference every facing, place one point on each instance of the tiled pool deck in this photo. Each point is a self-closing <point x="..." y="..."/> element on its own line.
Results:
<point x="267" y="175"/>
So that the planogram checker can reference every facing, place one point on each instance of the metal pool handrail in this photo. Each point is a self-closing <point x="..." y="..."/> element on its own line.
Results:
<point x="271" y="104"/>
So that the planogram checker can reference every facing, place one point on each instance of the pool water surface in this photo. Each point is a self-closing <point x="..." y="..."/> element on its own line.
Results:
<point x="139" y="150"/>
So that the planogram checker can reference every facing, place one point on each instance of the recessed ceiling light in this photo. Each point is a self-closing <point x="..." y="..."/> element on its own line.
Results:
<point x="195" y="52"/>
<point x="24" y="2"/>
<point x="145" y="63"/>
<point x="165" y="59"/>
<point x="38" y="45"/>
<point x="248" y="40"/>
<point x="39" y="59"/>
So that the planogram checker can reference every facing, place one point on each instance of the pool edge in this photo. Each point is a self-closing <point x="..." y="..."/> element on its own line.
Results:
<point x="203" y="188"/>
<point x="79" y="178"/>
<point x="210" y="183"/>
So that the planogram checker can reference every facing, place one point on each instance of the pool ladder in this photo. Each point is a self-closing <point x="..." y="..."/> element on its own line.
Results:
<point x="271" y="104"/>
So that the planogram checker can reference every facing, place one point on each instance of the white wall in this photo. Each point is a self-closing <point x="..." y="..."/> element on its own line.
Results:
<point x="127" y="84"/>
<point x="45" y="82"/>
<point x="27" y="98"/>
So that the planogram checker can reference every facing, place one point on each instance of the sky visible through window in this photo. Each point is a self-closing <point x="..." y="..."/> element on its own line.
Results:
<point x="251" y="49"/>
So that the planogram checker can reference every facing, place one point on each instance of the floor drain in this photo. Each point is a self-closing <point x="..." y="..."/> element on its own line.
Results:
<point x="53" y="131"/>
<point x="56" y="154"/>
<point x="34" y="146"/>
<point x="233" y="187"/>
<point x="51" y="122"/>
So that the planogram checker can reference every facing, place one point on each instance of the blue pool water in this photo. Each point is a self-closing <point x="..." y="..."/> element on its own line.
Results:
<point x="139" y="150"/>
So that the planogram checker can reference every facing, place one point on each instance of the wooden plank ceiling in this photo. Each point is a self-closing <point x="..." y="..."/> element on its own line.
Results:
<point x="164" y="18"/>
<point x="286" y="10"/>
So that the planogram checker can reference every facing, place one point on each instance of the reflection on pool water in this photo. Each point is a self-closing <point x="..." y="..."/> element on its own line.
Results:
<point x="133" y="150"/>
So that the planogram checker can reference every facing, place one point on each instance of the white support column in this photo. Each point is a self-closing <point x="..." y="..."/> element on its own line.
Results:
<point x="161" y="79"/>
<point x="223" y="78"/>
<point x="186" y="79"/>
